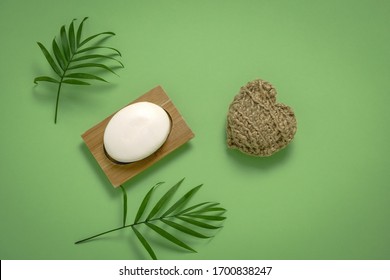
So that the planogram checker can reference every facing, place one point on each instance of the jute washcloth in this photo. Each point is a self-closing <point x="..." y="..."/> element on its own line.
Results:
<point x="256" y="124"/>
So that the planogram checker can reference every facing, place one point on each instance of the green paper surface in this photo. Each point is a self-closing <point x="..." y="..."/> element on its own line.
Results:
<point x="326" y="196"/>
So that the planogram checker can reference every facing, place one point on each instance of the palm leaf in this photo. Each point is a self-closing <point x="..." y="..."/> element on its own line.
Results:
<point x="92" y="56"/>
<point x="209" y="209"/>
<point x="206" y="217"/>
<point x="94" y="36"/>
<point x="75" y="82"/>
<point x="66" y="50"/>
<point x="50" y="59"/>
<point x="45" y="79"/>
<point x="90" y="65"/>
<point x="184" y="229"/>
<point x="144" y="243"/>
<point x="79" y="32"/>
<point x="65" y="43"/>
<point x="99" y="47"/>
<point x="195" y="206"/>
<point x="185" y="222"/>
<point x="145" y="202"/>
<point x="169" y="236"/>
<point x="198" y="223"/>
<point x="58" y="55"/>
<point x="172" y="211"/>
<point x="72" y="37"/>
<point x="85" y="76"/>
<point x="163" y="200"/>
<point x="181" y="201"/>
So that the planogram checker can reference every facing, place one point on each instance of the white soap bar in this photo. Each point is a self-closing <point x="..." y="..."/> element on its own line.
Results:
<point x="136" y="131"/>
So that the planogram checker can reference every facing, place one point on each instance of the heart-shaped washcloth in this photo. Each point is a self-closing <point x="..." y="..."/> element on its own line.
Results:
<point x="258" y="125"/>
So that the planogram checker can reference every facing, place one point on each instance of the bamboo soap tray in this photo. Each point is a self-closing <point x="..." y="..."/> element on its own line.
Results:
<point x="119" y="173"/>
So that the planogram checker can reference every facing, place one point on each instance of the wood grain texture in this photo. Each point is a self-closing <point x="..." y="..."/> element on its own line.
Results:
<point x="119" y="173"/>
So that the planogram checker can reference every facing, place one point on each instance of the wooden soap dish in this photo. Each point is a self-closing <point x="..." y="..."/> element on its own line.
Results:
<point x="119" y="173"/>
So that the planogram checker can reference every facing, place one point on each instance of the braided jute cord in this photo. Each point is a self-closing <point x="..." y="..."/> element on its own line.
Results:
<point x="256" y="124"/>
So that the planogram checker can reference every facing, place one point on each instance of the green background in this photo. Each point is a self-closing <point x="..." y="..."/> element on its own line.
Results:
<point x="326" y="196"/>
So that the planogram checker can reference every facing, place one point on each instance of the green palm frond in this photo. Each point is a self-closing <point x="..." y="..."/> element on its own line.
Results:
<point x="70" y="55"/>
<point x="172" y="221"/>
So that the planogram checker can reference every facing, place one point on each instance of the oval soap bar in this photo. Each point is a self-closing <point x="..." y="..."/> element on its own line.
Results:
<point x="136" y="131"/>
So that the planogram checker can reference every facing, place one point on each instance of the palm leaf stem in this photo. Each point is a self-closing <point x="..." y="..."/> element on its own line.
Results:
<point x="59" y="87"/>
<point x="57" y="100"/>
<point x="124" y="204"/>
<point x="115" y="229"/>
<point x="100" y="234"/>
<point x="125" y="226"/>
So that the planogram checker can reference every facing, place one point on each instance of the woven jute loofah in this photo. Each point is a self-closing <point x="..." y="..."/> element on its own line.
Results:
<point x="258" y="125"/>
